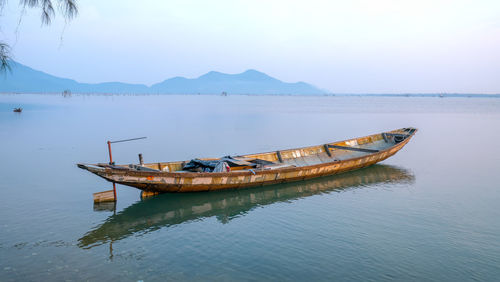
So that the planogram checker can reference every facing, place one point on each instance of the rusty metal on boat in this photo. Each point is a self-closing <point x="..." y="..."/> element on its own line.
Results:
<point x="259" y="169"/>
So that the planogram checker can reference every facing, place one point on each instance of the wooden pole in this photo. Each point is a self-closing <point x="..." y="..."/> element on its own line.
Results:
<point x="110" y="155"/>
<point x="111" y="163"/>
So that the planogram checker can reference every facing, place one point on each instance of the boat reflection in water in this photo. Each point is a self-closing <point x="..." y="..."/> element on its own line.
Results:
<point x="171" y="209"/>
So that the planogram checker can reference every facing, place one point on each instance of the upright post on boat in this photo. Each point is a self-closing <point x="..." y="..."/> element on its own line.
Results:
<point x="111" y="157"/>
<point x="111" y="163"/>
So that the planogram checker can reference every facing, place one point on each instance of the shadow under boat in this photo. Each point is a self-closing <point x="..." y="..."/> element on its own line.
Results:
<point x="171" y="209"/>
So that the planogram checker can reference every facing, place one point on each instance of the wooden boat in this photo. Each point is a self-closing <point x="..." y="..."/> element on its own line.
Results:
<point x="259" y="169"/>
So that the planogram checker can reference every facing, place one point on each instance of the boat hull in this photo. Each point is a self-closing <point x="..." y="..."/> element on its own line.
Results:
<point x="175" y="182"/>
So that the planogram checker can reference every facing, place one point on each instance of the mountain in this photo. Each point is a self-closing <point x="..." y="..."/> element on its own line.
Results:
<point x="23" y="79"/>
<point x="248" y="82"/>
<point x="27" y="80"/>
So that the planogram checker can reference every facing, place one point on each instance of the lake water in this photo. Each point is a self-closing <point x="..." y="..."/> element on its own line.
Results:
<point x="430" y="213"/>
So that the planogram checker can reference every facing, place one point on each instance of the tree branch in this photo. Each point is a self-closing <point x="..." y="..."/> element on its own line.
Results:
<point x="67" y="8"/>
<point x="4" y="57"/>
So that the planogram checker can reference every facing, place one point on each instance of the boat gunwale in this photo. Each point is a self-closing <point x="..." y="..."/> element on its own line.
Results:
<point x="112" y="171"/>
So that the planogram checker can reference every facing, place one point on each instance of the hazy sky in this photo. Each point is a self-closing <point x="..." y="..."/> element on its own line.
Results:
<point x="341" y="46"/>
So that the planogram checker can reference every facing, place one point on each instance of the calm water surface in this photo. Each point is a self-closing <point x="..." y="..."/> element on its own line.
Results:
<point x="430" y="213"/>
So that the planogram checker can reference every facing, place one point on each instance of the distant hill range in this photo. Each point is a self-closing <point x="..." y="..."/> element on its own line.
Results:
<point x="23" y="79"/>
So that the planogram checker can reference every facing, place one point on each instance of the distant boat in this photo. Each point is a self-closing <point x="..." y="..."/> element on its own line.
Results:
<point x="256" y="169"/>
<point x="18" y="110"/>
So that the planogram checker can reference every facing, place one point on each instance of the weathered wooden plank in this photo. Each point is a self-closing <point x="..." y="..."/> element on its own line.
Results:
<point x="105" y="196"/>
<point x="353" y="149"/>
